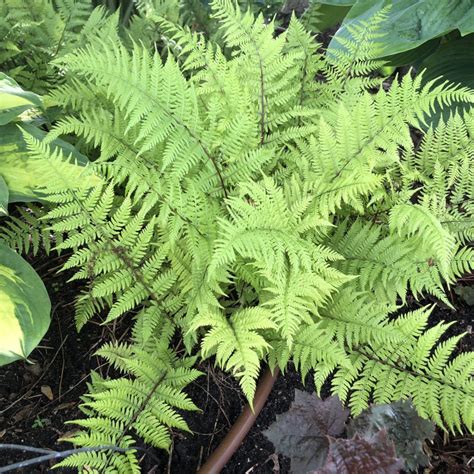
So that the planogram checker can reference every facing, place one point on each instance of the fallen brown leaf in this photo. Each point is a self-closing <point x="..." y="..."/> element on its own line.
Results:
<point x="47" y="392"/>
<point x="65" y="406"/>
<point x="22" y="414"/>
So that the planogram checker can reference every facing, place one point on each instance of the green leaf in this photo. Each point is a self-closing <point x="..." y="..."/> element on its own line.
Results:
<point x="14" y="100"/>
<point x="20" y="171"/>
<point x="410" y="23"/>
<point x="338" y="3"/>
<point x="25" y="307"/>
<point x="3" y="197"/>
<point x="453" y="60"/>
<point x="330" y="15"/>
<point x="413" y="57"/>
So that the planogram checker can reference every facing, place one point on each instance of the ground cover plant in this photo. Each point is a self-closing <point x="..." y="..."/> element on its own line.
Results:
<point x="253" y="202"/>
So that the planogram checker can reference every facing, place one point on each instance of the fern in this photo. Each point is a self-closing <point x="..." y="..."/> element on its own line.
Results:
<point x="26" y="231"/>
<point x="145" y="404"/>
<point x="259" y="221"/>
<point x="35" y="32"/>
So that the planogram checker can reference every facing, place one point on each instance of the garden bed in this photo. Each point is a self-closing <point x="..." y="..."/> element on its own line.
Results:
<point x="61" y="369"/>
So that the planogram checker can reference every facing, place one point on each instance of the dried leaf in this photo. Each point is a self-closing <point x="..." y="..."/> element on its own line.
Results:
<point x="374" y="455"/>
<point x="301" y="433"/>
<point x="64" y="406"/>
<point x="68" y="435"/>
<point x="404" y="427"/>
<point x="25" y="412"/>
<point x="47" y="392"/>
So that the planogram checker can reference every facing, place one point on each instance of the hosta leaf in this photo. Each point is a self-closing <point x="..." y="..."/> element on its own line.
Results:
<point x="453" y="60"/>
<point x="14" y="100"/>
<point x="24" y="309"/>
<point x="339" y="3"/>
<point x="411" y="23"/>
<point x="302" y="432"/>
<point x="361" y="455"/>
<point x="19" y="170"/>
<point x="3" y="197"/>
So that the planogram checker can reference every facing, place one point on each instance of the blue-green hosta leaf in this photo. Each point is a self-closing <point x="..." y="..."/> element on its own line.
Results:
<point x="14" y="100"/>
<point x="21" y="172"/>
<point x="411" y="23"/>
<point x="453" y="60"/>
<point x="24" y="307"/>
<point x="3" y="197"/>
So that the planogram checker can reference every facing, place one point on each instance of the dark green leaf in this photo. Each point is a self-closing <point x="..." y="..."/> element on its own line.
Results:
<point x="339" y="3"/>
<point x="466" y="293"/>
<point x="453" y="60"/>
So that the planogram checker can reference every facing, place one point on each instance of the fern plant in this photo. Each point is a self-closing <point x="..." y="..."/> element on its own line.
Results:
<point x="34" y="32"/>
<point x="262" y="216"/>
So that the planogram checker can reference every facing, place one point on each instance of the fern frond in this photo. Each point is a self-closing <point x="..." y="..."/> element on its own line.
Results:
<point x="144" y="405"/>
<point x="237" y="342"/>
<point x="440" y="386"/>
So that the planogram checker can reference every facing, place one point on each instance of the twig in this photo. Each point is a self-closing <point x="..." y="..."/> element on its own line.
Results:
<point x="37" y="381"/>
<point x="30" y="449"/>
<point x="53" y="454"/>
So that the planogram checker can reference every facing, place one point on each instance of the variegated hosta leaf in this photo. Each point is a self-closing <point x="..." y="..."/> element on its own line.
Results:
<point x="25" y="309"/>
<point x="14" y="100"/>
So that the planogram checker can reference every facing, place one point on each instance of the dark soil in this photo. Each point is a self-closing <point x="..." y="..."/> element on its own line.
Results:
<point x="60" y="368"/>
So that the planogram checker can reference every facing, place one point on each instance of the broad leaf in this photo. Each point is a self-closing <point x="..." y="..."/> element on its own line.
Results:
<point x="411" y="23"/>
<point x="404" y="427"/>
<point x="21" y="172"/>
<point x="14" y="100"/>
<point x="302" y="432"/>
<point x="339" y="3"/>
<point x="360" y="455"/>
<point x="3" y="197"/>
<point x="25" y="307"/>
<point x="453" y="60"/>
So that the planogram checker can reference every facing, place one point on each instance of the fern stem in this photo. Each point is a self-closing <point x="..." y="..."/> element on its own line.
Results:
<point x="141" y="407"/>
